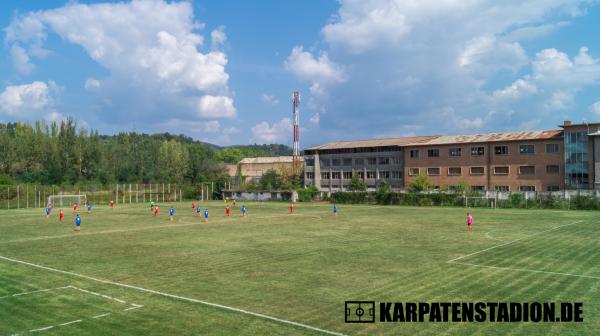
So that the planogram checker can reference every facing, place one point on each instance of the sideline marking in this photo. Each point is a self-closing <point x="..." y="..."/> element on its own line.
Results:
<point x="32" y="292"/>
<point x="514" y="241"/>
<point x="144" y="228"/>
<point x="182" y="298"/>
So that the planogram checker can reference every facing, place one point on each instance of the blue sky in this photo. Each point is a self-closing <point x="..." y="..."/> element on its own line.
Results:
<point x="223" y="71"/>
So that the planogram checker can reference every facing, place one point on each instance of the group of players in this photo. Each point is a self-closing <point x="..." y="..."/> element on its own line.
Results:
<point x="197" y="208"/>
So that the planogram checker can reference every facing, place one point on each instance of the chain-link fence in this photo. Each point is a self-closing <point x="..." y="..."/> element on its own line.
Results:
<point x="36" y="196"/>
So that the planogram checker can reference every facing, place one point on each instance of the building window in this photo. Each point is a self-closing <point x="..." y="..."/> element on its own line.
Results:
<point x="433" y="152"/>
<point x="527" y="188"/>
<point x="453" y="152"/>
<point x="413" y="171"/>
<point x="477" y="170"/>
<point x="324" y="176"/>
<point x="396" y="174"/>
<point x="552" y="169"/>
<point x="526" y="170"/>
<point x="347" y="175"/>
<point x="347" y="162"/>
<point x="384" y="174"/>
<point x="414" y="153"/>
<point x="501" y="188"/>
<point x="310" y="175"/>
<point x="361" y="175"/>
<point x="371" y="174"/>
<point x="477" y="151"/>
<point x="309" y="162"/>
<point x="336" y="162"/>
<point x="325" y="163"/>
<point x="501" y="150"/>
<point x="552" y="188"/>
<point x="359" y="162"/>
<point x="527" y="149"/>
<point x="371" y="161"/>
<point x="384" y="160"/>
<point x="433" y="171"/>
<point x="454" y="171"/>
<point x="552" y="148"/>
<point x="396" y="160"/>
<point x="477" y="188"/>
<point x="501" y="170"/>
<point x="336" y="175"/>
<point x="576" y="160"/>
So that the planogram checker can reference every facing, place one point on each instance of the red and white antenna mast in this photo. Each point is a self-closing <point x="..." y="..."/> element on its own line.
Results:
<point x="296" y="148"/>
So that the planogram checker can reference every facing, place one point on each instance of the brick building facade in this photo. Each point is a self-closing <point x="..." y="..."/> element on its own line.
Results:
<point x="549" y="160"/>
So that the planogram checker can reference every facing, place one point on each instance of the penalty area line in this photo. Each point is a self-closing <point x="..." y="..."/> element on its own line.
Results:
<point x="513" y="241"/>
<point x="595" y="277"/>
<point x="177" y="297"/>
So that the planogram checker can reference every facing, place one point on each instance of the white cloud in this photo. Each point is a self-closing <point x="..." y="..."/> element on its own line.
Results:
<point x="218" y="37"/>
<point x="410" y="62"/>
<point x="27" y="100"/>
<point x="269" y="99"/>
<point x="151" y="50"/>
<point x="91" y="84"/>
<point x="21" y="60"/>
<point x="305" y="66"/>
<point x="264" y="133"/>
<point x="216" y="107"/>
<point x="315" y="119"/>
<point x="595" y="108"/>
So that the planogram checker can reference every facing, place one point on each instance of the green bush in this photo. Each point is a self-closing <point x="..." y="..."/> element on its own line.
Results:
<point x="307" y="194"/>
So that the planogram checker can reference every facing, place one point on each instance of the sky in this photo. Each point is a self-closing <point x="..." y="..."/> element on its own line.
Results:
<point x="223" y="71"/>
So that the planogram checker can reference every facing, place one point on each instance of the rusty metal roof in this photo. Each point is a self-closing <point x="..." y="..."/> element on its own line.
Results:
<point x="270" y="159"/>
<point x="491" y="137"/>
<point x="371" y="143"/>
<point x="444" y="140"/>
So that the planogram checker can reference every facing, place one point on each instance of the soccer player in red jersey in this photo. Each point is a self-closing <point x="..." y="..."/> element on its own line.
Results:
<point x="61" y="215"/>
<point x="227" y="211"/>
<point x="156" y="211"/>
<point x="193" y="207"/>
<point x="74" y="207"/>
<point x="291" y="208"/>
<point x="469" y="222"/>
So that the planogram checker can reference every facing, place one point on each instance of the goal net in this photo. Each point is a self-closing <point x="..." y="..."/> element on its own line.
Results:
<point x="479" y="201"/>
<point x="65" y="200"/>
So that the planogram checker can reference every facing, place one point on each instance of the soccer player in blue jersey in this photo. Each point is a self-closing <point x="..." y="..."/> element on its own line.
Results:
<point x="334" y="209"/>
<point x="77" y="223"/>
<point x="89" y="207"/>
<point x="199" y="210"/>
<point x="243" y="211"/>
<point x="48" y="211"/>
<point x="171" y="213"/>
<point x="206" y="215"/>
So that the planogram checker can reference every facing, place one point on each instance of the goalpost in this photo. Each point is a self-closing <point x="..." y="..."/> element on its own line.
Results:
<point x="481" y="201"/>
<point x="62" y="200"/>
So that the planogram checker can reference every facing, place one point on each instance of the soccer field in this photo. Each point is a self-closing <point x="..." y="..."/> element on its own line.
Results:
<point x="128" y="273"/>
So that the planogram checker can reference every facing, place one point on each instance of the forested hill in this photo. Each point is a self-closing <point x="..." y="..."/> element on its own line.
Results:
<point x="56" y="153"/>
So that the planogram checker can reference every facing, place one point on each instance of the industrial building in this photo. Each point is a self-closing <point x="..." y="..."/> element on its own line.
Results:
<point x="562" y="159"/>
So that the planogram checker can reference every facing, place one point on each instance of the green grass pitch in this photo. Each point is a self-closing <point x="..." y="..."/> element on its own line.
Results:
<point x="128" y="273"/>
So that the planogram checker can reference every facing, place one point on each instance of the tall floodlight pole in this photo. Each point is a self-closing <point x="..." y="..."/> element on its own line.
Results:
<point x="296" y="148"/>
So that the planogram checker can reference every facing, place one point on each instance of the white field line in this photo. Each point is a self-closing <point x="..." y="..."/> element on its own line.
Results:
<point x="101" y="315"/>
<point x="67" y="323"/>
<point x="177" y="297"/>
<point x="41" y="329"/>
<point x="33" y="292"/>
<point x="487" y="234"/>
<point x="98" y="294"/>
<point x="135" y="306"/>
<point x="514" y="241"/>
<point x="530" y="270"/>
<point x="144" y="228"/>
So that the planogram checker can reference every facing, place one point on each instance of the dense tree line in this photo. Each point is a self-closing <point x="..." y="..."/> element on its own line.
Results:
<point x="63" y="153"/>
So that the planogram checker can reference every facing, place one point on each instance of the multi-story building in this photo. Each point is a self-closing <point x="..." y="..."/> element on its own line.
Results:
<point x="549" y="160"/>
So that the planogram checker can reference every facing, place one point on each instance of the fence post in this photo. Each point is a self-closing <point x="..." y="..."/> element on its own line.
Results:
<point x="8" y="198"/>
<point x="18" y="198"/>
<point x="117" y="195"/>
<point x="163" y="192"/>
<point x="129" y="193"/>
<point x="137" y="193"/>
<point x="27" y="195"/>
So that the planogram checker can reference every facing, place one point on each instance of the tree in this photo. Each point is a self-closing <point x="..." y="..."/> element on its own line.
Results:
<point x="270" y="180"/>
<point x="172" y="161"/>
<point x="421" y="183"/>
<point x="357" y="184"/>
